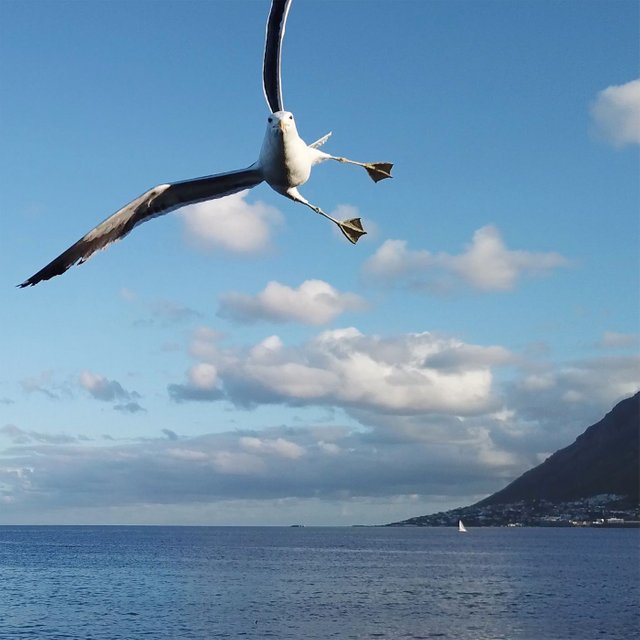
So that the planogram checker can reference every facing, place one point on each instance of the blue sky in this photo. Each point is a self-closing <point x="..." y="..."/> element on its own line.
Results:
<point x="239" y="362"/>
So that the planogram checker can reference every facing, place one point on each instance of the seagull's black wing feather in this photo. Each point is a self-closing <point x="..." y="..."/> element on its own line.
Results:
<point x="155" y="202"/>
<point x="271" y="80"/>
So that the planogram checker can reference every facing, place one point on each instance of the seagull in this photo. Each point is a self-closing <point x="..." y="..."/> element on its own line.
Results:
<point x="284" y="163"/>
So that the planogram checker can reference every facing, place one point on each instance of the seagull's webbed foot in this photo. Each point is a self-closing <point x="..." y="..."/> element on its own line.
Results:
<point x="352" y="229"/>
<point x="377" y="170"/>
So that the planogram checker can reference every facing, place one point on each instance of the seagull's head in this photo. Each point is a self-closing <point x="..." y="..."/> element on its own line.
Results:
<point x="281" y="122"/>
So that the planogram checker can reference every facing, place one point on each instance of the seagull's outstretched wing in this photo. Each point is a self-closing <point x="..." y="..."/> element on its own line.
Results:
<point x="271" y="81"/>
<point x="153" y="203"/>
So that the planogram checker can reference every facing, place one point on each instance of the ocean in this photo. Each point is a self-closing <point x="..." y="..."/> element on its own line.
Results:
<point x="175" y="583"/>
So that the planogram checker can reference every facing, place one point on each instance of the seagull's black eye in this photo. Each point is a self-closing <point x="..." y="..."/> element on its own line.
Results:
<point x="270" y="119"/>
<point x="290" y="117"/>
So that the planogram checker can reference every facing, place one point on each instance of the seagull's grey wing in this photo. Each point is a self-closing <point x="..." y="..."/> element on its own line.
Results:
<point x="153" y="203"/>
<point x="271" y="81"/>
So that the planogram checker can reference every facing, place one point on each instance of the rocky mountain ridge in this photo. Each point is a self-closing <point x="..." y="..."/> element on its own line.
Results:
<point x="594" y="480"/>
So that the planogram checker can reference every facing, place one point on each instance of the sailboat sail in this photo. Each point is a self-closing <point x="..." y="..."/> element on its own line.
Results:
<point x="461" y="527"/>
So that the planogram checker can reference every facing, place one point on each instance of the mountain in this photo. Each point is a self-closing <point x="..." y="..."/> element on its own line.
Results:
<point x="599" y="471"/>
<point x="603" y="460"/>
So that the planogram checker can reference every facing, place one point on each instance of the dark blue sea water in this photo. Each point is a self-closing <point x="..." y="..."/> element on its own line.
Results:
<point x="174" y="583"/>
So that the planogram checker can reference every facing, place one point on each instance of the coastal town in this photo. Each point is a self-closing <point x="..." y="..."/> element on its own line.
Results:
<point x="591" y="483"/>
<point x="605" y="510"/>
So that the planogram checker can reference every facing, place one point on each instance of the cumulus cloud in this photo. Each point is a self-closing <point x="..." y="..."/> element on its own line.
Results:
<point x="404" y="374"/>
<point x="276" y="463"/>
<point x="616" y="114"/>
<point x="393" y="260"/>
<point x="590" y="382"/>
<point x="278" y="446"/>
<point x="414" y="458"/>
<point x="231" y="224"/>
<point x="203" y="376"/>
<point x="202" y="384"/>
<point x="551" y="403"/>
<point x="486" y="264"/>
<point x="425" y="387"/>
<point x="314" y="302"/>
<point x="460" y="356"/>
<point x="100" y="388"/>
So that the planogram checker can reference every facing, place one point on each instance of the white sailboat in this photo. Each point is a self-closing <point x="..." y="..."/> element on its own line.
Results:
<point x="461" y="527"/>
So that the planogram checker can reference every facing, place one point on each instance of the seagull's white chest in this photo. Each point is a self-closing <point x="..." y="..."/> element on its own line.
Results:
<point x="285" y="160"/>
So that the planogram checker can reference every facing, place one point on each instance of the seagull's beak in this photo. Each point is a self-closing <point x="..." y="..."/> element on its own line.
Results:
<point x="282" y="125"/>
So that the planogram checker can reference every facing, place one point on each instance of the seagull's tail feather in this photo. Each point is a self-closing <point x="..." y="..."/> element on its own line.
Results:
<point x="379" y="170"/>
<point x="352" y="229"/>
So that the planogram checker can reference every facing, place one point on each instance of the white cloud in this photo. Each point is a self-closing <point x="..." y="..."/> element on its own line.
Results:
<point x="616" y="114"/>
<point x="278" y="463"/>
<point x="203" y="376"/>
<point x="488" y="265"/>
<point x="485" y="265"/>
<point x="231" y="224"/>
<point x="405" y="374"/>
<point x="102" y="389"/>
<point x="330" y="448"/>
<point x="460" y="356"/>
<point x="188" y="455"/>
<point x="278" y="446"/>
<point x="314" y="302"/>
<point x="106" y="390"/>
<point x="414" y="459"/>
<point x="393" y="260"/>
<point x="556" y="400"/>
<point x="202" y="384"/>
<point x="237" y="463"/>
